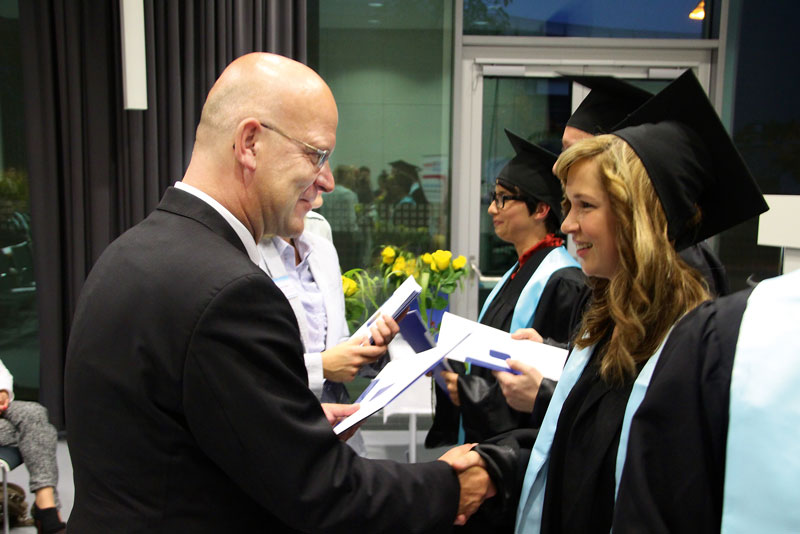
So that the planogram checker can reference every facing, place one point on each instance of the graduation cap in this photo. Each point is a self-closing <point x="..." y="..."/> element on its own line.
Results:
<point x="691" y="160"/>
<point x="609" y="102"/>
<point x="405" y="167"/>
<point x="531" y="170"/>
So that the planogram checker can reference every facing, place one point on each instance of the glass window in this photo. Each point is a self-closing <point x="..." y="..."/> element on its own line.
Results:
<point x="389" y="65"/>
<point x="19" y="327"/>
<point x="536" y="109"/>
<point x="597" y="18"/>
<point x="766" y="124"/>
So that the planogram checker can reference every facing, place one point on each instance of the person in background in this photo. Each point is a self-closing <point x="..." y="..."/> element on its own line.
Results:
<point x="25" y="425"/>
<point x="363" y="185"/>
<point x="306" y="269"/>
<point x="406" y="177"/>
<point x="180" y="336"/>
<point x="633" y="198"/>
<point x="543" y="290"/>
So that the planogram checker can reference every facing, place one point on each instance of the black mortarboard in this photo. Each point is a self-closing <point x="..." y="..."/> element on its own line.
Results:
<point x="406" y="167"/>
<point x="609" y="102"/>
<point x="531" y="170"/>
<point x="691" y="159"/>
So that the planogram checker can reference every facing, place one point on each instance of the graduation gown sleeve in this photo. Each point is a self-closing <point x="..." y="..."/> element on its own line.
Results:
<point x="674" y="471"/>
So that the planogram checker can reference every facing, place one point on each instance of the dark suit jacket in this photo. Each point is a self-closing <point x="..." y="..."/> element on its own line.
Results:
<point x="187" y="401"/>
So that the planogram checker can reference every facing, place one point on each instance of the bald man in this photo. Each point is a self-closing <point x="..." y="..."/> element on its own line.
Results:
<point x="188" y="408"/>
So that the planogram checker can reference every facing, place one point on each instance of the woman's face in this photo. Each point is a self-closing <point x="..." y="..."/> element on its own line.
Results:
<point x="512" y="223"/>
<point x="590" y="221"/>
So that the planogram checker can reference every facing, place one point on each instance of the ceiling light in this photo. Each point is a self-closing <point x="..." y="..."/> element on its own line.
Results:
<point x="375" y="4"/>
<point x="698" y="13"/>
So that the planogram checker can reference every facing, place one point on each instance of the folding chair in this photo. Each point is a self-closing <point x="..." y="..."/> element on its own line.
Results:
<point x="10" y="459"/>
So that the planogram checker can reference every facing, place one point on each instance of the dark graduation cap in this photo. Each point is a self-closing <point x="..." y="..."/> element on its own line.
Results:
<point x="691" y="159"/>
<point x="531" y="170"/>
<point x="406" y="167"/>
<point x="609" y="101"/>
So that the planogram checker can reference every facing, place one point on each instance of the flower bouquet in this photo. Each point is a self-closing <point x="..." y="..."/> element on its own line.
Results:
<point x="437" y="272"/>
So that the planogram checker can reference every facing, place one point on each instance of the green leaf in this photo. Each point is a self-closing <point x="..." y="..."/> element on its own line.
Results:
<point x="440" y="303"/>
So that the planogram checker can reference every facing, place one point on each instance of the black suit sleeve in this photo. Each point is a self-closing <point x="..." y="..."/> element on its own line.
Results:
<point x="249" y="407"/>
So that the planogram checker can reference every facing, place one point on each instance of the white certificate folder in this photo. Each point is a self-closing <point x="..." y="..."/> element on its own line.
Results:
<point x="392" y="381"/>
<point x="490" y="347"/>
<point x="394" y="305"/>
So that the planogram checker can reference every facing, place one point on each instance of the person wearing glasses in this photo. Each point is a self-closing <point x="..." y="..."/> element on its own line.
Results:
<point x="186" y="394"/>
<point x="544" y="290"/>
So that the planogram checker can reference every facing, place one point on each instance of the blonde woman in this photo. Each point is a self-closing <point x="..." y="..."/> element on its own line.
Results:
<point x="631" y="200"/>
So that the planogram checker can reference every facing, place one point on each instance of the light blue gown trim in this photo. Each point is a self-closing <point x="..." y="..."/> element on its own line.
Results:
<point x="634" y="400"/>
<point x="528" y="300"/>
<point x="762" y="467"/>
<point x="529" y="511"/>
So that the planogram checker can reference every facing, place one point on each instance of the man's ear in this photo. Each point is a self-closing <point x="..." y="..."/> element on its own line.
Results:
<point x="244" y="146"/>
<point x="542" y="211"/>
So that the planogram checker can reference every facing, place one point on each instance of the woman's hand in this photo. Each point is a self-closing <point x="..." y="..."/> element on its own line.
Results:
<point x="527" y="333"/>
<point x="520" y="390"/>
<point x="452" y="386"/>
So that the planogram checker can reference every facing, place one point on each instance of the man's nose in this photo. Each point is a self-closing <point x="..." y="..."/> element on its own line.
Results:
<point x="325" y="180"/>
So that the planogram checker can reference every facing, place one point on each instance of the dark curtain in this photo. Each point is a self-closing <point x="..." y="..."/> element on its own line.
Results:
<point x="95" y="169"/>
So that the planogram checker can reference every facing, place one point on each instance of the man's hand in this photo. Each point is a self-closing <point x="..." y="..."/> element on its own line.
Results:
<point x="527" y="333"/>
<point x="383" y="330"/>
<point x="4" y="400"/>
<point x="335" y="413"/>
<point x="342" y="362"/>
<point x="520" y="390"/>
<point x="452" y="386"/>
<point x="476" y="485"/>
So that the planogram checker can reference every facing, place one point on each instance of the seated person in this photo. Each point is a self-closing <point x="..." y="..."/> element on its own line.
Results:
<point x="25" y="425"/>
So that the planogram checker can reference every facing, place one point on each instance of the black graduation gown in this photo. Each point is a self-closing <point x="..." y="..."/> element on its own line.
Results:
<point x="484" y="409"/>
<point x="673" y="479"/>
<point x="579" y="495"/>
<point x="702" y="258"/>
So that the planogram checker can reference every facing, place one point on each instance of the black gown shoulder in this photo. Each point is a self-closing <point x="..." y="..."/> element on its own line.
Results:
<point x="674" y="472"/>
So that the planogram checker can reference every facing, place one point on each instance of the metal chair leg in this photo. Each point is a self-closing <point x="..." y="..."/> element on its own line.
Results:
<point x="5" y="497"/>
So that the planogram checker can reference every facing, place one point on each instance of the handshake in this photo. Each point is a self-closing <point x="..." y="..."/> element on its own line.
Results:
<point x="476" y="485"/>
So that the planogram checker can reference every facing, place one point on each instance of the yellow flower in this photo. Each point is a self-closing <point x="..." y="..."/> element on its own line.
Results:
<point x="411" y="268"/>
<point x="441" y="258"/>
<point x="349" y="287"/>
<point x="399" y="264"/>
<point x="427" y="258"/>
<point x="459" y="263"/>
<point x="388" y="255"/>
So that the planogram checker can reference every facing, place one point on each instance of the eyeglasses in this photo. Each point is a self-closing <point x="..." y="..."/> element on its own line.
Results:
<point x="500" y="199"/>
<point x="321" y="155"/>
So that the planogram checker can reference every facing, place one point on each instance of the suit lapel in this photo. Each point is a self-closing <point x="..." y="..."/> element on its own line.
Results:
<point x="187" y="205"/>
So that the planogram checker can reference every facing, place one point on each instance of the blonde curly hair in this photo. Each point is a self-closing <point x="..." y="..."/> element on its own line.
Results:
<point x="653" y="286"/>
